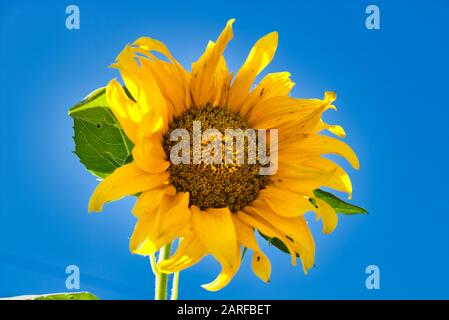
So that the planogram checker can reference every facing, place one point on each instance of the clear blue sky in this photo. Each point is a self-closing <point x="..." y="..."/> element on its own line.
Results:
<point x="392" y="87"/>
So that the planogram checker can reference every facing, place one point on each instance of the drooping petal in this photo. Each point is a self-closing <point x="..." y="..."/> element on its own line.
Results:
<point x="189" y="252"/>
<point x="215" y="229"/>
<point x="126" y="180"/>
<point x="260" y="263"/>
<point x="224" y="277"/>
<point x="328" y="216"/>
<point x="294" y="228"/>
<point x="250" y="218"/>
<point x="259" y="57"/>
<point x="261" y="266"/>
<point x="155" y="229"/>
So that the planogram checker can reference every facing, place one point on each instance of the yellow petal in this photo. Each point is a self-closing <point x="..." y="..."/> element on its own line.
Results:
<point x="172" y="78"/>
<point x="189" y="252"/>
<point x="328" y="216"/>
<point x="205" y="73"/>
<point x="224" y="277"/>
<point x="250" y="218"/>
<point x="272" y="85"/>
<point x="183" y="77"/>
<point x="295" y="174"/>
<point x="223" y="85"/>
<point x="171" y="85"/>
<point x="339" y="180"/>
<point x="261" y="266"/>
<point x="304" y="172"/>
<point x="315" y="144"/>
<point x="297" y="230"/>
<point x="126" y="180"/>
<point x="130" y="72"/>
<point x="335" y="129"/>
<point x="260" y="263"/>
<point x="286" y="113"/>
<point x="221" y="82"/>
<point x="171" y="221"/>
<point x="313" y="122"/>
<point x="301" y="119"/>
<point x="141" y="230"/>
<point x="150" y="200"/>
<point x="142" y="85"/>
<point x="272" y="111"/>
<point x="125" y="110"/>
<point x="148" y="151"/>
<point x="215" y="229"/>
<point x="259" y="57"/>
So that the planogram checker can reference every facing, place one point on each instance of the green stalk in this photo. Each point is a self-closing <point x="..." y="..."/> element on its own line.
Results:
<point x="162" y="278"/>
<point x="174" y="288"/>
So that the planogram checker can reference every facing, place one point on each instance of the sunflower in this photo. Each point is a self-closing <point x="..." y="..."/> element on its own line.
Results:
<point x="214" y="209"/>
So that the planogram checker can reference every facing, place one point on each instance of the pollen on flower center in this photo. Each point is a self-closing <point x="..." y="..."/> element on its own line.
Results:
<point x="213" y="185"/>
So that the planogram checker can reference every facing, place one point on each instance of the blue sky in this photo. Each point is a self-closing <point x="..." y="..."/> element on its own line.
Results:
<point x="391" y="89"/>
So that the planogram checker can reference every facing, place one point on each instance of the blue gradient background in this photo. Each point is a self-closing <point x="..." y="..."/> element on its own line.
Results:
<point x="392" y="87"/>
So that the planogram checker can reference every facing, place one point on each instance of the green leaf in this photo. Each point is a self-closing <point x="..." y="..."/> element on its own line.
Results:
<point x="68" y="296"/>
<point x="245" y="249"/>
<point x="100" y="143"/>
<point x="277" y="243"/>
<point x="339" y="205"/>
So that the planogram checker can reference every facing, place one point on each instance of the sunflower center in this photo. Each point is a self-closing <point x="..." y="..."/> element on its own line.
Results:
<point x="212" y="170"/>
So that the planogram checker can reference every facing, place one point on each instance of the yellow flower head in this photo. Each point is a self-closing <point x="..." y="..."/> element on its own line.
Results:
<point x="216" y="209"/>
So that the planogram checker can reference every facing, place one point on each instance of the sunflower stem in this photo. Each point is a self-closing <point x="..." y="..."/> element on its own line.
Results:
<point x="162" y="278"/>
<point x="154" y="265"/>
<point x="175" y="285"/>
<point x="175" y="282"/>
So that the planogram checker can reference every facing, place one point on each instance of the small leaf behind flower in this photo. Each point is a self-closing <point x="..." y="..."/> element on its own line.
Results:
<point x="100" y="142"/>
<point x="339" y="205"/>
<point x="277" y="243"/>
